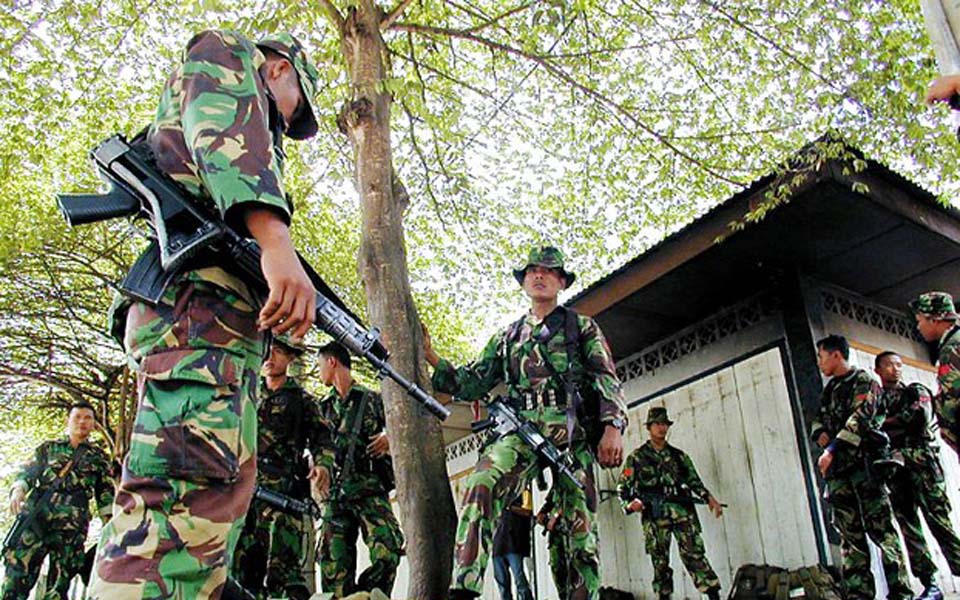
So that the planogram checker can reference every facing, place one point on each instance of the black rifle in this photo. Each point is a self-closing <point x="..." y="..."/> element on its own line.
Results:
<point x="287" y="504"/>
<point x="232" y="590"/>
<point x="504" y="420"/>
<point x="25" y="519"/>
<point x="654" y="499"/>
<point x="183" y="227"/>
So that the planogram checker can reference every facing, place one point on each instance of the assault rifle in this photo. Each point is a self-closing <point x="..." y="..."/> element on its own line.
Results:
<point x="504" y="420"/>
<point x="287" y="504"/>
<point x="655" y="500"/>
<point x="183" y="228"/>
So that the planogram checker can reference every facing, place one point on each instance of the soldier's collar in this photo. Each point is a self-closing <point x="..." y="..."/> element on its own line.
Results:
<point x="948" y="333"/>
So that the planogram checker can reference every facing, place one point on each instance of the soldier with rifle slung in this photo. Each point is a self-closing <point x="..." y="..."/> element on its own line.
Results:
<point x="269" y="555"/>
<point x="51" y="498"/>
<point x="660" y="482"/>
<point x="560" y="376"/>
<point x="360" y="494"/>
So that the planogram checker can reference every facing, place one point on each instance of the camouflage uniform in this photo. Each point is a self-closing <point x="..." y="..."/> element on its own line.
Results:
<point x="359" y="502"/>
<point x="60" y="528"/>
<point x="190" y="472"/>
<point x="670" y="472"/>
<point x="946" y="404"/>
<point x="919" y="486"/>
<point x="507" y="466"/>
<point x="271" y="543"/>
<point x="849" y="407"/>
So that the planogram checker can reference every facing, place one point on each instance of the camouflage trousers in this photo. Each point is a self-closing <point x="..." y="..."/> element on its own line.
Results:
<point x="920" y="487"/>
<point x="658" y="533"/>
<point x="861" y="509"/>
<point x="63" y="540"/>
<point x="506" y="467"/>
<point x="270" y="550"/>
<point x="190" y="472"/>
<point x="371" y="516"/>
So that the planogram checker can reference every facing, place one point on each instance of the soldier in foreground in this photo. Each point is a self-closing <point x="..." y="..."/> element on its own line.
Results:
<point x="534" y="357"/>
<point x="59" y="527"/>
<point x="919" y="485"/>
<point x="190" y="473"/>
<point x="271" y="543"/>
<point x="849" y="413"/>
<point x="656" y="470"/>
<point x="360" y="496"/>
<point x="937" y="323"/>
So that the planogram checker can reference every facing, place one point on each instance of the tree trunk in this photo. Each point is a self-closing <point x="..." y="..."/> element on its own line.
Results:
<point x="428" y="514"/>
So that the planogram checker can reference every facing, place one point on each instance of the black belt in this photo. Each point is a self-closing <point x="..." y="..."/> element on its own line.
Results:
<point x="533" y="399"/>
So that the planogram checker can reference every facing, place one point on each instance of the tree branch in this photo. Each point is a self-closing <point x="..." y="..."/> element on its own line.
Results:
<point x="332" y="13"/>
<point x="394" y="15"/>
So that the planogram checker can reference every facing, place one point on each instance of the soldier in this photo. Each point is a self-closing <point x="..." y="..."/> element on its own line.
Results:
<point x="536" y="357"/>
<point x="937" y="322"/>
<point x="60" y="526"/>
<point x="271" y="543"/>
<point x="190" y="472"/>
<point x="849" y="412"/>
<point x="360" y="498"/>
<point x="656" y="467"/>
<point x="919" y="486"/>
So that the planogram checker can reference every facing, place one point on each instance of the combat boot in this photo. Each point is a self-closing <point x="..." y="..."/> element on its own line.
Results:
<point x="930" y="592"/>
<point x="462" y="594"/>
<point x="713" y="594"/>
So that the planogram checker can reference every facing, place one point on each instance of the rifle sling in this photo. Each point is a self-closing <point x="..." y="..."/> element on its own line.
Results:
<point x="355" y="427"/>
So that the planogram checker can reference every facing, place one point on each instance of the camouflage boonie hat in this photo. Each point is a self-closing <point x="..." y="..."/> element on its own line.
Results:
<point x="544" y="256"/>
<point x="291" y="343"/>
<point x="936" y="305"/>
<point x="304" y="124"/>
<point x="658" y="414"/>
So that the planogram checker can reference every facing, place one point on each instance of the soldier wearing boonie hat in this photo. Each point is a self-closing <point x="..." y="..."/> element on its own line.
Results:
<point x="304" y="123"/>
<point x="937" y="322"/>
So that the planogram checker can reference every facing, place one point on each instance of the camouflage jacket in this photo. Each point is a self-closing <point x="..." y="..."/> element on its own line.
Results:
<point x="910" y="421"/>
<point x="341" y="413"/>
<point x="948" y="379"/>
<point x="515" y="357"/>
<point x="289" y="422"/>
<point x="213" y="134"/>
<point x="669" y="471"/>
<point x="849" y="407"/>
<point x="88" y="479"/>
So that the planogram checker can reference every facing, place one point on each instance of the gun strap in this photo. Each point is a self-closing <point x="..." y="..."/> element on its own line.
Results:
<point x="355" y="427"/>
<point x="571" y="342"/>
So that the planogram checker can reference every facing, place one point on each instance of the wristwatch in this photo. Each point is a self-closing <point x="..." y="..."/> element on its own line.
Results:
<point x="619" y="423"/>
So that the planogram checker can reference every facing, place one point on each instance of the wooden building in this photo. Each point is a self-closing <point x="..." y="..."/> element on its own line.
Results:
<point x="722" y="333"/>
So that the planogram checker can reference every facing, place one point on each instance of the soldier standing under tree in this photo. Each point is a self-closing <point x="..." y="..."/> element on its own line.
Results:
<point x="919" y="485"/>
<point x="60" y="526"/>
<point x="657" y="467"/>
<point x="937" y="323"/>
<point x="190" y="472"/>
<point x="360" y="499"/>
<point x="849" y="410"/>
<point x="271" y="544"/>
<point x="533" y="359"/>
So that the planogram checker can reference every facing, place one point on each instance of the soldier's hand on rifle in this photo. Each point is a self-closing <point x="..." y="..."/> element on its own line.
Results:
<point x="611" y="447"/>
<point x="826" y="459"/>
<point x="320" y="481"/>
<point x="379" y="445"/>
<point x="715" y="507"/>
<point x="635" y="505"/>
<point x="428" y="352"/>
<point x="291" y="304"/>
<point x="16" y="500"/>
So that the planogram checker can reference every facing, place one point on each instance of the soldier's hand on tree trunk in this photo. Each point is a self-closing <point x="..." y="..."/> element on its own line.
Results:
<point x="428" y="352"/>
<point x="715" y="507"/>
<point x="291" y="304"/>
<point x="16" y="500"/>
<point x="379" y="445"/>
<point x="610" y="450"/>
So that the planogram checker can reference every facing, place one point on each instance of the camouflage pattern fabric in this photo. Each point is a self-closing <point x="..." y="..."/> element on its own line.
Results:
<point x="947" y="401"/>
<point x="919" y="486"/>
<point x="371" y="516"/>
<point x="671" y="472"/>
<point x="573" y="564"/>
<point x="936" y="305"/>
<point x="515" y="357"/>
<point x="189" y="476"/>
<point x="849" y="405"/>
<point x="60" y="528"/>
<point x="360" y="502"/>
<point x="271" y="543"/>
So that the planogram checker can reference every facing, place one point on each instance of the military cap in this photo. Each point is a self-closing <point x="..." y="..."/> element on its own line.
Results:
<point x="658" y="414"/>
<point x="291" y="343"/>
<point x="936" y="305"/>
<point x="544" y="256"/>
<point x="289" y="47"/>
